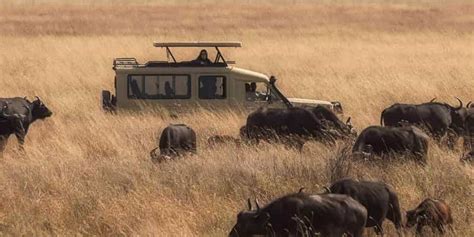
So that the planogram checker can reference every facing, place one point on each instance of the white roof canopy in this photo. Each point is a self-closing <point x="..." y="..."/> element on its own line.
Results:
<point x="230" y="44"/>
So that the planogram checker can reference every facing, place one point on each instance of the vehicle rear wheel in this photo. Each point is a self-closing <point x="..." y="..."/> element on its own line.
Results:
<point x="108" y="101"/>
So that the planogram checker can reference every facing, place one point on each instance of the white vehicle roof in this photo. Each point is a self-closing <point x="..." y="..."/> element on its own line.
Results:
<point x="231" y="44"/>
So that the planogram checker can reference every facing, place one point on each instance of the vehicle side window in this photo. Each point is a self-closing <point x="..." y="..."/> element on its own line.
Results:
<point x="159" y="86"/>
<point x="212" y="87"/>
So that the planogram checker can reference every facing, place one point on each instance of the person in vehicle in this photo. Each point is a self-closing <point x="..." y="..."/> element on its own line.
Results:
<point x="252" y="93"/>
<point x="136" y="93"/>
<point x="208" y="88"/>
<point x="169" y="92"/>
<point x="202" y="59"/>
<point x="247" y="87"/>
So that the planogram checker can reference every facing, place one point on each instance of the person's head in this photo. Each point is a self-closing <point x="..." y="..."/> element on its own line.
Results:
<point x="167" y="84"/>
<point x="247" y="87"/>
<point x="253" y="86"/>
<point x="203" y="54"/>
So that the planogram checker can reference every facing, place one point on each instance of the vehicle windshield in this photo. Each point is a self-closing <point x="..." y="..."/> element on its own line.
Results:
<point x="259" y="91"/>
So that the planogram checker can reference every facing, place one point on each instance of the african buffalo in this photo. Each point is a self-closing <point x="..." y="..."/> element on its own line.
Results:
<point x="430" y="212"/>
<point x="175" y="140"/>
<point x="437" y="117"/>
<point x="326" y="115"/>
<point x="292" y="214"/>
<point x="16" y="117"/>
<point x="378" y="198"/>
<point x="469" y="137"/>
<point x="384" y="140"/>
<point x="292" y="125"/>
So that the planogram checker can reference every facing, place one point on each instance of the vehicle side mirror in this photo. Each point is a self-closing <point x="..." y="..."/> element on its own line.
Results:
<point x="272" y="80"/>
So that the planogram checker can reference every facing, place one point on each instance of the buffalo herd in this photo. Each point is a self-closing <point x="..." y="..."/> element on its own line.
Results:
<point x="345" y="209"/>
<point x="346" y="206"/>
<point x="405" y="129"/>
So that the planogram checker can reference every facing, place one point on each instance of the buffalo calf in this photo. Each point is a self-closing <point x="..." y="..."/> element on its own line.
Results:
<point x="431" y="212"/>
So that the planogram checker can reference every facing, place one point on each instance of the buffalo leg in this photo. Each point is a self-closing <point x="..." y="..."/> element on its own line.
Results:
<point x="379" y="229"/>
<point x="440" y="228"/>
<point x="20" y="133"/>
<point x="419" y="230"/>
<point x="452" y="139"/>
<point x="394" y="214"/>
<point x="21" y="142"/>
<point x="299" y="145"/>
<point x="3" y="144"/>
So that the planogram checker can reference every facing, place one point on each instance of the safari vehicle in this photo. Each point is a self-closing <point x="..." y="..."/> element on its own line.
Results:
<point x="176" y="85"/>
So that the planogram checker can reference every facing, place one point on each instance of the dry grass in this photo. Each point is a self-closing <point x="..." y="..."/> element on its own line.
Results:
<point x="88" y="172"/>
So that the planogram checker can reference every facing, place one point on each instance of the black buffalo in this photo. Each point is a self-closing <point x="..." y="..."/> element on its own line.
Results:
<point x="326" y="115"/>
<point x="469" y="137"/>
<point x="437" y="117"/>
<point x="175" y="140"/>
<point x="378" y="198"/>
<point x="433" y="213"/>
<point x="292" y="125"/>
<point x="292" y="214"/>
<point x="384" y="140"/>
<point x="16" y="117"/>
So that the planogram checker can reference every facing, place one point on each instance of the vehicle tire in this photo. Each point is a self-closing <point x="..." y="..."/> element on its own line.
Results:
<point x="106" y="100"/>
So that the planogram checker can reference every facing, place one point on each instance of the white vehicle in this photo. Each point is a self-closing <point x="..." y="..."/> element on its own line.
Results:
<point x="201" y="82"/>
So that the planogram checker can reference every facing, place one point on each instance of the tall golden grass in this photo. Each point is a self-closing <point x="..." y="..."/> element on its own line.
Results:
<point x="85" y="172"/>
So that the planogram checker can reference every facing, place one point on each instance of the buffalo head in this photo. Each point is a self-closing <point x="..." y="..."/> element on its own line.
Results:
<point x="3" y="109"/>
<point x="415" y="217"/>
<point x="350" y="127"/>
<point x="39" y="109"/>
<point x="251" y="222"/>
<point x="458" y="115"/>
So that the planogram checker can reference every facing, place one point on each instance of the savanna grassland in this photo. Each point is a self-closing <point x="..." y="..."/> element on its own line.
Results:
<point x="85" y="172"/>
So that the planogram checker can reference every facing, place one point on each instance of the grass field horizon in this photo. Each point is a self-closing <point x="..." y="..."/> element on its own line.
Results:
<point x="85" y="172"/>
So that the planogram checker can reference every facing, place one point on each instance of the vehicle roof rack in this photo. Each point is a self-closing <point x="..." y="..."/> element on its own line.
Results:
<point x="222" y="44"/>
<point x="125" y="63"/>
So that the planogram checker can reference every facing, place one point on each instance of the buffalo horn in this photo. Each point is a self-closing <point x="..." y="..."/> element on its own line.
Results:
<point x="258" y="206"/>
<point x="468" y="104"/>
<point x="37" y="98"/>
<point x="348" y="121"/>
<point x="432" y="100"/>
<point x="327" y="189"/>
<point x="249" y="204"/>
<point x="301" y="190"/>
<point x="460" y="103"/>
